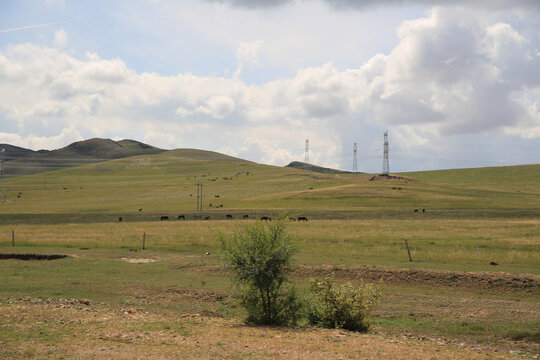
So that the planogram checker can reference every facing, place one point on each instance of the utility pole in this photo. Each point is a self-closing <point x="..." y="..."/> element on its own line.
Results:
<point x="198" y="190"/>
<point x="4" y="199"/>
<point x="201" y="198"/>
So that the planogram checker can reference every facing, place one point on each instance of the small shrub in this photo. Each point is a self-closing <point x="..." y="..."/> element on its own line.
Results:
<point x="259" y="258"/>
<point x="345" y="306"/>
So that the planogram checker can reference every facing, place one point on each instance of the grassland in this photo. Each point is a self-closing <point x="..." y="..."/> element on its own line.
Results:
<point x="111" y="299"/>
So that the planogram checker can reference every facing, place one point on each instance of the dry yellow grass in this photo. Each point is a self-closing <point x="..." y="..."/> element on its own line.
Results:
<point x="71" y="329"/>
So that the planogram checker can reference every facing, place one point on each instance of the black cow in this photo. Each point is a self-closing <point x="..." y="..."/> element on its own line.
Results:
<point x="302" y="218"/>
<point x="245" y="216"/>
<point x="266" y="218"/>
<point x="207" y="218"/>
<point x="181" y="217"/>
<point x="164" y="218"/>
<point x="216" y="196"/>
<point x="423" y="210"/>
<point x="229" y="216"/>
<point x="415" y="210"/>
<point x="120" y="219"/>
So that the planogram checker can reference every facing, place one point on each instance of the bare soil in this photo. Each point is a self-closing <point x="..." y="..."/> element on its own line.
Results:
<point x="69" y="328"/>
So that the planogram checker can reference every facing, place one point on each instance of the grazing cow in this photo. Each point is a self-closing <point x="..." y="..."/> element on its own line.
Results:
<point x="394" y="188"/>
<point x="120" y="219"/>
<point x="415" y="210"/>
<point x="266" y="218"/>
<point x="164" y="218"/>
<point x="181" y="217"/>
<point x="140" y="209"/>
<point x="245" y="216"/>
<point x="220" y="206"/>
<point x="229" y="216"/>
<point x="216" y="196"/>
<point x="207" y="218"/>
<point x="302" y="218"/>
<point x="292" y="219"/>
<point x="399" y="188"/>
<point x="493" y="263"/>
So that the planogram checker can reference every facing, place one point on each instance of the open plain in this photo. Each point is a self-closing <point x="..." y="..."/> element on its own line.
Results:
<point x="472" y="290"/>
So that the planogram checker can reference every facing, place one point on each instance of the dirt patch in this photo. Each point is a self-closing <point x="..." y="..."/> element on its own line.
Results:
<point x="457" y="279"/>
<point x="31" y="257"/>
<point x="139" y="261"/>
<point x="105" y="333"/>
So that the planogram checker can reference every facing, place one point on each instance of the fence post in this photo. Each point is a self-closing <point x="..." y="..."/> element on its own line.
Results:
<point x="408" y="252"/>
<point x="143" y="240"/>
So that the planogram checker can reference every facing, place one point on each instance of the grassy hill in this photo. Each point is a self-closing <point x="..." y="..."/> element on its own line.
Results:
<point x="318" y="169"/>
<point x="145" y="303"/>
<point x="167" y="183"/>
<point x="20" y="161"/>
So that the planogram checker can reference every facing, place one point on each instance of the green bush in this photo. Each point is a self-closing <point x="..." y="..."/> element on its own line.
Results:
<point x="345" y="306"/>
<point x="259" y="258"/>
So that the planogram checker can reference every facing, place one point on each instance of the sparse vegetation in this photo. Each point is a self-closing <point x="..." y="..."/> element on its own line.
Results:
<point x="345" y="306"/>
<point x="174" y="297"/>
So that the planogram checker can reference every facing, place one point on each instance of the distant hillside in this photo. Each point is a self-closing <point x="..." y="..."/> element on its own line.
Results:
<point x="20" y="161"/>
<point x="14" y="152"/>
<point x="301" y="165"/>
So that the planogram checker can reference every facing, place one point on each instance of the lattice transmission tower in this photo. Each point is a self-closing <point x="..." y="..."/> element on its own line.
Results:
<point x="306" y="156"/>
<point x="355" y="159"/>
<point x="385" y="166"/>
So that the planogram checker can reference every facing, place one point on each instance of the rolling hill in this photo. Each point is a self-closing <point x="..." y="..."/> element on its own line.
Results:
<point x="20" y="161"/>
<point x="319" y="169"/>
<point x="166" y="182"/>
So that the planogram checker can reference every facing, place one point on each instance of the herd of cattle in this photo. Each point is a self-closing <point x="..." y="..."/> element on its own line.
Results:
<point x="228" y="217"/>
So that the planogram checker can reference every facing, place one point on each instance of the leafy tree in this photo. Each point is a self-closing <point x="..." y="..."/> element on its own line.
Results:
<point x="259" y="258"/>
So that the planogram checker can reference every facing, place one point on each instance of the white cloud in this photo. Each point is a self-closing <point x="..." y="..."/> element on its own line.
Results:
<point x="445" y="77"/>
<point x="247" y="55"/>
<point x="66" y="136"/>
<point x="60" y="38"/>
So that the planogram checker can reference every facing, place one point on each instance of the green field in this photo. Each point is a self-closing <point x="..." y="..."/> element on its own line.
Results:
<point x="450" y="299"/>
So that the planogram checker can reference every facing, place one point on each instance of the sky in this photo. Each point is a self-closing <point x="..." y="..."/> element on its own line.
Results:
<point x="455" y="82"/>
